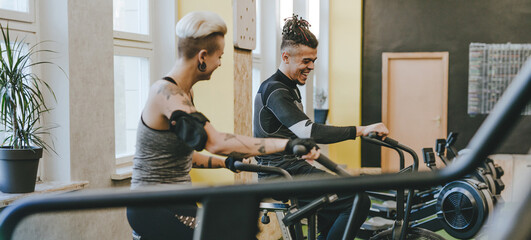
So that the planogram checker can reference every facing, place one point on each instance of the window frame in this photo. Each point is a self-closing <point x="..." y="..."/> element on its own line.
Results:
<point x="128" y="36"/>
<point x="133" y="45"/>
<point x="28" y="17"/>
<point x="134" y="52"/>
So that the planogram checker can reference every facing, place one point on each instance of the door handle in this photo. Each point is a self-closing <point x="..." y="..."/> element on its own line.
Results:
<point x="437" y="121"/>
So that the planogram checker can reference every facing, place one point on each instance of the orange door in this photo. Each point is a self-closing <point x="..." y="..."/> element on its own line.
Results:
<point x="414" y="102"/>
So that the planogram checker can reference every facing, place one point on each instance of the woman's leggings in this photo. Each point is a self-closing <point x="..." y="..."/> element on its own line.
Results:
<point x="165" y="222"/>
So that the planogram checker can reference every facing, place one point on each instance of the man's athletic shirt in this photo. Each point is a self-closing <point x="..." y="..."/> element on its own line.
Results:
<point x="278" y="112"/>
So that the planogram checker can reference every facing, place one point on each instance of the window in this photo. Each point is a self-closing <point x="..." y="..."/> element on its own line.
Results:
<point x="131" y="19"/>
<point x="23" y="50"/>
<point x="14" y="5"/>
<point x="257" y="56"/>
<point x="133" y="51"/>
<point x="286" y="11"/>
<point x="266" y="56"/>
<point x="131" y="82"/>
<point x="18" y="10"/>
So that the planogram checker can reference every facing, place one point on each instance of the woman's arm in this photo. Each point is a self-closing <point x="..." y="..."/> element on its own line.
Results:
<point x="239" y="146"/>
<point x="204" y="161"/>
<point x="173" y="98"/>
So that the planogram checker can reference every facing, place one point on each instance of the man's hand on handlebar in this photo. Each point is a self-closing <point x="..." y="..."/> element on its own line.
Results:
<point x="378" y="128"/>
<point x="312" y="155"/>
<point x="300" y="146"/>
<point x="304" y="147"/>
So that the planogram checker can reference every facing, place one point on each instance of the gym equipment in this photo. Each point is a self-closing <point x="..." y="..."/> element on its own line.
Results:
<point x="460" y="207"/>
<point x="288" y="216"/>
<point x="488" y="172"/>
<point x="400" y="228"/>
<point x="242" y="201"/>
<point x="464" y="205"/>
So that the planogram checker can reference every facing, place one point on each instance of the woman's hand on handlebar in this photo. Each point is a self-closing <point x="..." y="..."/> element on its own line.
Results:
<point x="378" y="128"/>
<point x="229" y="162"/>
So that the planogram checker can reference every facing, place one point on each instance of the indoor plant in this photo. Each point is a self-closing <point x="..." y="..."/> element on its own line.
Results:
<point x="320" y="110"/>
<point x="22" y="104"/>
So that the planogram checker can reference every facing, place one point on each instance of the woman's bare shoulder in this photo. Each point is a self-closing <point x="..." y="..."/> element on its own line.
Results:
<point x="170" y="97"/>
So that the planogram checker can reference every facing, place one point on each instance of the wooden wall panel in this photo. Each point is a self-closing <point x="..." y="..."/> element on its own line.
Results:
<point x="243" y="110"/>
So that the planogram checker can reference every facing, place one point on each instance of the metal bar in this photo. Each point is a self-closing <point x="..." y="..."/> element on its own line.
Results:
<point x="241" y="209"/>
<point x="493" y="130"/>
<point x="349" y="232"/>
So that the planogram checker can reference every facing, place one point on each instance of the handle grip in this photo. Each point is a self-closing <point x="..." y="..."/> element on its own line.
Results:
<point x="452" y="138"/>
<point x="300" y="150"/>
<point x="387" y="140"/>
<point x="440" y="146"/>
<point x="429" y="157"/>
<point x="259" y="168"/>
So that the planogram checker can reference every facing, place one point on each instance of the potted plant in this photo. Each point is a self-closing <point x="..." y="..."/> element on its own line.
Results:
<point x="320" y="110"/>
<point x="22" y="104"/>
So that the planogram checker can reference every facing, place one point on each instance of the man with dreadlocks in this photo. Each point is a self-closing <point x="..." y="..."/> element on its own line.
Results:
<point x="279" y="113"/>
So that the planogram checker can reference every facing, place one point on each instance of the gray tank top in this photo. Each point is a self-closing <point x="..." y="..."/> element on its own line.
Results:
<point x="160" y="158"/>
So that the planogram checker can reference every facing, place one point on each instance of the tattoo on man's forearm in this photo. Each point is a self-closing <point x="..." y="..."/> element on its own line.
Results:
<point x="210" y="162"/>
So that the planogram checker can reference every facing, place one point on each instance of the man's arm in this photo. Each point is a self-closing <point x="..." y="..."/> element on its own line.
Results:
<point x="282" y="105"/>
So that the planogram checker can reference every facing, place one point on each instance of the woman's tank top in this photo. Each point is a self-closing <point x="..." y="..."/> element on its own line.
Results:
<point x="160" y="158"/>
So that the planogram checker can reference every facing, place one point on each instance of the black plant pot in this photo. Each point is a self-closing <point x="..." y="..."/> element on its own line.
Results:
<point x="18" y="169"/>
<point x="320" y="115"/>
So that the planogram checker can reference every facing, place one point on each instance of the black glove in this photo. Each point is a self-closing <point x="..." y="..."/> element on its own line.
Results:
<point x="229" y="163"/>
<point x="308" y="143"/>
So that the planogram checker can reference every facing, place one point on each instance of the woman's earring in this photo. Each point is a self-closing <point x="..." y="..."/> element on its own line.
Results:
<point x="202" y="67"/>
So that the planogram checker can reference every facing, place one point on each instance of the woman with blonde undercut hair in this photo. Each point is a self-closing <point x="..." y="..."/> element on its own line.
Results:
<point x="171" y="131"/>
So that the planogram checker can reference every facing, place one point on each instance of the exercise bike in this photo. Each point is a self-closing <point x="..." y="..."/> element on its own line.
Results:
<point x="289" y="216"/>
<point x="393" y="219"/>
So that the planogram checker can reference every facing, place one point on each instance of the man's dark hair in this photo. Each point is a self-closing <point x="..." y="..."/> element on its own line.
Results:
<point x="296" y="32"/>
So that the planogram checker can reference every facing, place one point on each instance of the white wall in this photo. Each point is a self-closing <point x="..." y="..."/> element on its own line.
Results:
<point x="52" y="21"/>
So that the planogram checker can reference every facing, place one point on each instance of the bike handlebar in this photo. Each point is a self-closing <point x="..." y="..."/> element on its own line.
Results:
<point x="259" y="168"/>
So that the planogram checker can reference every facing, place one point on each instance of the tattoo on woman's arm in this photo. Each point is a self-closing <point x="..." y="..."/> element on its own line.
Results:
<point x="238" y="155"/>
<point x="261" y="146"/>
<point x="229" y="136"/>
<point x="195" y="165"/>
<point x="188" y="103"/>
<point x="169" y="91"/>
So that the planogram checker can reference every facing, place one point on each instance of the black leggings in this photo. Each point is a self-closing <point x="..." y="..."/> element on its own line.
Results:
<point x="154" y="223"/>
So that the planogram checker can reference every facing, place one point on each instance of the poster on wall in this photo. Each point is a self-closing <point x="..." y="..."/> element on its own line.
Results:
<point x="492" y="67"/>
